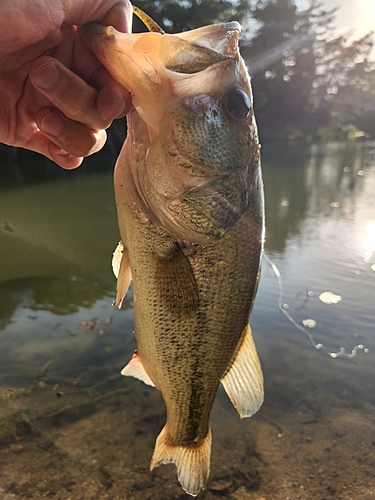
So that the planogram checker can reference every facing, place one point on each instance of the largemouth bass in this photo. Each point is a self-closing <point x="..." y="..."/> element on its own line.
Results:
<point x="189" y="198"/>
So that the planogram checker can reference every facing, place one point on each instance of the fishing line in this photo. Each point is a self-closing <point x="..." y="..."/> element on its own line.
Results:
<point x="284" y="309"/>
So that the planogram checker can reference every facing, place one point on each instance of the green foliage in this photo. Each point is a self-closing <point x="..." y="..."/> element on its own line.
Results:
<point x="352" y="131"/>
<point x="281" y="61"/>
<point x="314" y="84"/>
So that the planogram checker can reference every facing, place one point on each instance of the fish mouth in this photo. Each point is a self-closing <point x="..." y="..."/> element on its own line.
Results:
<point x="156" y="67"/>
<point x="221" y="38"/>
<point x="131" y="57"/>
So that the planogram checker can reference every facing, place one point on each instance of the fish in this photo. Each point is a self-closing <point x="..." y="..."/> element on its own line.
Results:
<point x="189" y="196"/>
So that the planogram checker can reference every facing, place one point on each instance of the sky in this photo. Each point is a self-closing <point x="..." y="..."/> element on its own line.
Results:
<point x="357" y="16"/>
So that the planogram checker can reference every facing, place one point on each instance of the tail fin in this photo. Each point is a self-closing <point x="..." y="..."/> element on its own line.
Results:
<point x="193" y="461"/>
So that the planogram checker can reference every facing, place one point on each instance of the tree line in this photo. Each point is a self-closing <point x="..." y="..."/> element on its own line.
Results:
<point x="308" y="84"/>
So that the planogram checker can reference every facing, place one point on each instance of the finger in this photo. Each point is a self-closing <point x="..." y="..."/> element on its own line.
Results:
<point x="41" y="144"/>
<point x="67" y="91"/>
<point x="119" y="15"/>
<point x="111" y="103"/>
<point x="85" y="62"/>
<point x="113" y="99"/>
<point x="73" y="137"/>
<point x="62" y="158"/>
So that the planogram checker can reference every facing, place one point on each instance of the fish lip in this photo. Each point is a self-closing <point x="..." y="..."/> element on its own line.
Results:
<point x="219" y="37"/>
<point x="210" y="45"/>
<point x="97" y="29"/>
<point x="88" y="31"/>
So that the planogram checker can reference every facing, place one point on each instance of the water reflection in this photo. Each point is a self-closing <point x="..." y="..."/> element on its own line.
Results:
<point x="56" y="242"/>
<point x="59" y="336"/>
<point x="324" y="180"/>
<point x="369" y="241"/>
<point x="286" y="194"/>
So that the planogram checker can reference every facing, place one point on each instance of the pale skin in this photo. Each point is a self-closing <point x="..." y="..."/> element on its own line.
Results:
<point x="55" y="96"/>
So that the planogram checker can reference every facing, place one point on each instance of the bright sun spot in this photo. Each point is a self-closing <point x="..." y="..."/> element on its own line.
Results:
<point x="362" y="13"/>
<point x="371" y="8"/>
<point x="369" y="240"/>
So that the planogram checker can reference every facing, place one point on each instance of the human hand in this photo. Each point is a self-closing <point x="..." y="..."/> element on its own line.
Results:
<point x="55" y="96"/>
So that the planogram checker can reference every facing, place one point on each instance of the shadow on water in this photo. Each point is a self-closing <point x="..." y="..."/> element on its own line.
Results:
<point x="72" y="428"/>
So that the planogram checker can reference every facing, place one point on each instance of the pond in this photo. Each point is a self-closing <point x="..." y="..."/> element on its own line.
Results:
<point x="72" y="428"/>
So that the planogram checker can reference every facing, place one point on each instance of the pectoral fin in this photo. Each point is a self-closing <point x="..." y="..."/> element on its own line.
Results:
<point x="136" y="369"/>
<point x="121" y="269"/>
<point x="244" y="380"/>
<point x="178" y="289"/>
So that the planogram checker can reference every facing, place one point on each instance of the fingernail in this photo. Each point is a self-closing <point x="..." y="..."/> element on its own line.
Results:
<point x="46" y="76"/>
<point x="62" y="152"/>
<point x="113" y="107"/>
<point x="113" y="110"/>
<point x="52" y="124"/>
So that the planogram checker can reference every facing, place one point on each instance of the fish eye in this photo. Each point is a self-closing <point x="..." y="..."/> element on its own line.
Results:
<point x="238" y="103"/>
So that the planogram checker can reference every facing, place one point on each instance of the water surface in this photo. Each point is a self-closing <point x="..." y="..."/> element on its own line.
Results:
<point x="72" y="428"/>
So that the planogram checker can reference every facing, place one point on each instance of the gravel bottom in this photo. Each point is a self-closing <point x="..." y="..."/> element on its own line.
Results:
<point x="101" y="450"/>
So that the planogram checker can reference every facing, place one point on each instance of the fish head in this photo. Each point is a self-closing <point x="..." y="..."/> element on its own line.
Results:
<point x="193" y="115"/>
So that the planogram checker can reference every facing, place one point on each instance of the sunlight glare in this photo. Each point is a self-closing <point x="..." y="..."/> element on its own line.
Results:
<point x="369" y="240"/>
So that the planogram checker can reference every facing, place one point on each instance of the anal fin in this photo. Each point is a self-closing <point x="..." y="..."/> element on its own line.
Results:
<point x="192" y="461"/>
<point x="121" y="269"/>
<point x="244" y="380"/>
<point x="136" y="369"/>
